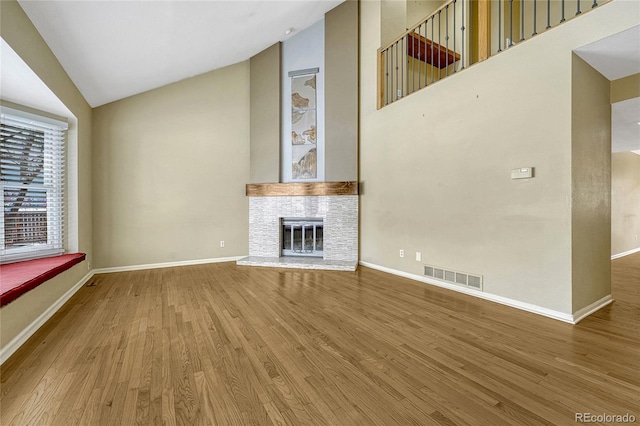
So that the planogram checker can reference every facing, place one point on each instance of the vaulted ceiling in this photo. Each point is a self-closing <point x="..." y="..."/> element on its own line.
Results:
<point x="118" y="48"/>
<point x="115" y="49"/>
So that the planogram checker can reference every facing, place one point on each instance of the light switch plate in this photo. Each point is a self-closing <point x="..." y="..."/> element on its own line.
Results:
<point x="522" y="173"/>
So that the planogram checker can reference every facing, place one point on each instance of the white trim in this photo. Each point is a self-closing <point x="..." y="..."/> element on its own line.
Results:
<point x="557" y="315"/>
<point x="7" y="350"/>
<point x="580" y="314"/>
<point x="166" y="264"/>
<point x="625" y="253"/>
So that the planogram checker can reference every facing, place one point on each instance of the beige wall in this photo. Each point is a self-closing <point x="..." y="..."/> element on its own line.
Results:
<point x="392" y="22"/>
<point x="341" y="93"/>
<point x="265" y="115"/>
<point x="436" y="165"/>
<point x="591" y="184"/>
<point x="170" y="167"/>
<point x="24" y="39"/>
<point x="340" y="96"/>
<point x="625" y="88"/>
<point x="420" y="9"/>
<point x="19" y="314"/>
<point x="625" y="202"/>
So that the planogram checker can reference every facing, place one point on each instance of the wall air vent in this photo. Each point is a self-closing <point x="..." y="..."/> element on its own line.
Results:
<point x="475" y="282"/>
<point x="449" y="276"/>
<point x="455" y="277"/>
<point x="438" y="273"/>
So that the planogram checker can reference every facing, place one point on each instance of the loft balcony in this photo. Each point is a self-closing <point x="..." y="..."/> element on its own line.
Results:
<point x="460" y="33"/>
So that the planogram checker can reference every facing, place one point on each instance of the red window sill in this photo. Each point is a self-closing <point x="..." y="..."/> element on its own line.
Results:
<point x="20" y="277"/>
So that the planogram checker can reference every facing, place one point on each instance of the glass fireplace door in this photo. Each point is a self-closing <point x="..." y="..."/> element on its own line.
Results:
<point x="302" y="237"/>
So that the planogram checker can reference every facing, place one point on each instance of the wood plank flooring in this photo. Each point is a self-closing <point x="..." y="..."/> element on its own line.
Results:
<point x="230" y="345"/>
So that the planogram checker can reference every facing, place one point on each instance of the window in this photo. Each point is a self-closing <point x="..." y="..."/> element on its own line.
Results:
<point x="32" y="182"/>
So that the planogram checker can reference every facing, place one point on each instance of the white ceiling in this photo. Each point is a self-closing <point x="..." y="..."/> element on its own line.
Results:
<point x="118" y="48"/>
<point x="616" y="56"/>
<point x="115" y="49"/>
<point x="20" y="85"/>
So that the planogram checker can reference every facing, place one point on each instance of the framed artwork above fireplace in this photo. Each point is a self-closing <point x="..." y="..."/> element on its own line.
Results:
<point x="304" y="130"/>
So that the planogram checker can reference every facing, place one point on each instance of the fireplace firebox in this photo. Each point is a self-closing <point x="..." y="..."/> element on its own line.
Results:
<point x="302" y="237"/>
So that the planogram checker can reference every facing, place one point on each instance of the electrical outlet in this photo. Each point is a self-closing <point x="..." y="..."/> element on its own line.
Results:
<point x="222" y="244"/>
<point x="401" y="253"/>
<point x="88" y="266"/>
<point x="418" y="256"/>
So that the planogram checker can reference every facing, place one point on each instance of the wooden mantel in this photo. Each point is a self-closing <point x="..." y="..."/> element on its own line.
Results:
<point x="301" y="188"/>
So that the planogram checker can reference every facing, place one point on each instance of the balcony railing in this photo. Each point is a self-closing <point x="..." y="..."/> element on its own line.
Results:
<point x="461" y="33"/>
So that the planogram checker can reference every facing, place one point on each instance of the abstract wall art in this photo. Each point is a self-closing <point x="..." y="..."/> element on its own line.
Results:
<point x="303" y="126"/>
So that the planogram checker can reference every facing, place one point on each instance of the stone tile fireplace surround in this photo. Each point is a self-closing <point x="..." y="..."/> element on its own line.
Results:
<point x="335" y="202"/>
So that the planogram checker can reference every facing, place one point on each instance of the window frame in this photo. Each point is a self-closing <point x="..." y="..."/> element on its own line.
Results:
<point x="55" y="182"/>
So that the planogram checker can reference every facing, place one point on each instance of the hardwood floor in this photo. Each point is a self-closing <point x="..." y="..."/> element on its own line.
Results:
<point x="229" y="345"/>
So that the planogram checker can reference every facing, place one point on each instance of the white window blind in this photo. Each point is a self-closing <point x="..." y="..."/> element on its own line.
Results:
<point x="32" y="183"/>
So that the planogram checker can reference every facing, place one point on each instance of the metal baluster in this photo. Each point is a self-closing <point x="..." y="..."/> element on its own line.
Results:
<point x="454" y="32"/>
<point x="413" y="54"/>
<point x="402" y="53"/>
<point x="425" y="52"/>
<point x="510" y="23"/>
<point x="433" y="39"/>
<point x="397" y="68"/>
<point x="446" y="39"/>
<point x="548" y="14"/>
<point x="535" y="17"/>
<point x="595" y="4"/>
<point x="499" y="25"/>
<point x="390" y="53"/>
<point x="439" y="39"/>
<point x="578" y="12"/>
<point x="562" y="20"/>
<point x="521" y="20"/>
<point x="386" y="76"/>
<point x="421" y="58"/>
<point x="389" y="76"/>
<point x="462" y="29"/>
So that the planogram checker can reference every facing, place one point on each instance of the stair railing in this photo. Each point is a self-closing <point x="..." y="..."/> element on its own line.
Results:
<point x="463" y="32"/>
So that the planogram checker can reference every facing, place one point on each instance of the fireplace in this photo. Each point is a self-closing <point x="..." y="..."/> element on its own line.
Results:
<point x="302" y="237"/>
<point x="303" y="225"/>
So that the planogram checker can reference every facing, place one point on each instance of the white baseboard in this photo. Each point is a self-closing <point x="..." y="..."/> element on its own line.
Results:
<point x="550" y="313"/>
<point x="7" y="350"/>
<point x="625" y="253"/>
<point x="15" y="343"/>
<point x="166" y="265"/>
<point x="588" y="310"/>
